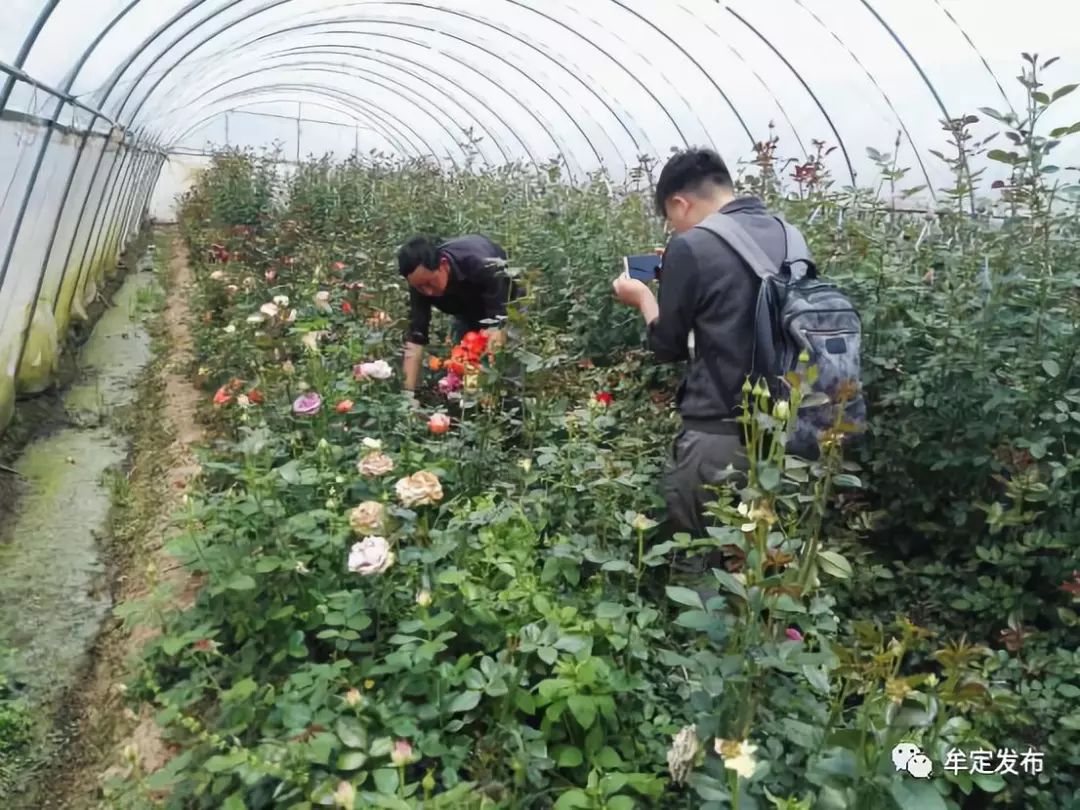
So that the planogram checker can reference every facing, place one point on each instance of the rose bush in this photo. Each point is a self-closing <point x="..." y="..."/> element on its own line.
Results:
<point x="509" y="630"/>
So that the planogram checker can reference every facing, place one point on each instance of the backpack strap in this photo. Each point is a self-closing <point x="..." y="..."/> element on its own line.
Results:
<point x="796" y="251"/>
<point x="741" y="242"/>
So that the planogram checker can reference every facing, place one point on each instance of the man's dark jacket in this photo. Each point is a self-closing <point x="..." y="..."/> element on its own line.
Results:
<point x="706" y="286"/>
<point x="473" y="293"/>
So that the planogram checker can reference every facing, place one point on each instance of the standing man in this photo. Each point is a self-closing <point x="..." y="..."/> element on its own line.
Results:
<point x="708" y="295"/>
<point x="462" y="277"/>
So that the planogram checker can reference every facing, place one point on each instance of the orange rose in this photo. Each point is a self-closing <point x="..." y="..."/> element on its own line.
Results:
<point x="439" y="423"/>
<point x="434" y="363"/>
<point x="344" y="406"/>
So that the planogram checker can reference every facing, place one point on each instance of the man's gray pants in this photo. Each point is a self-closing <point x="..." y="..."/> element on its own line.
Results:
<point x="699" y="459"/>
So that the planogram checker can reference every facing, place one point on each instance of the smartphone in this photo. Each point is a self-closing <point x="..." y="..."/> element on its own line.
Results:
<point x="644" y="267"/>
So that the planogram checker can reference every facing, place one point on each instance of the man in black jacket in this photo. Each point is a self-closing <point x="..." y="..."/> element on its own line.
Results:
<point x="462" y="277"/>
<point x="705" y="315"/>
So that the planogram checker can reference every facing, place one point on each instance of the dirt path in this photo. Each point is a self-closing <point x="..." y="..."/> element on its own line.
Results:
<point x="163" y="466"/>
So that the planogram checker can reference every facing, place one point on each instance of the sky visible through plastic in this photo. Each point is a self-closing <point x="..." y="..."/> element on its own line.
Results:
<point x="598" y="82"/>
<point x="103" y="102"/>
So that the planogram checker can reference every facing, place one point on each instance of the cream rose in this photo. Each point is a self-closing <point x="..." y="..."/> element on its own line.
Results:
<point x="372" y="555"/>
<point x="419" y="489"/>
<point x="375" y="464"/>
<point x="367" y="517"/>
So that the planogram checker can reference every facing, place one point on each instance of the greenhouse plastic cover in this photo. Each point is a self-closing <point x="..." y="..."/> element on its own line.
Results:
<point x="103" y="102"/>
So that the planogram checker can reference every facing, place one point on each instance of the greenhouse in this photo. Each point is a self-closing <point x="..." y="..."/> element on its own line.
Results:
<point x="520" y="405"/>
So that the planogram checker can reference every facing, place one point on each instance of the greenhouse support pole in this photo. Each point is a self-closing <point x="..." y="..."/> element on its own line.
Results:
<point x="78" y="220"/>
<point x="116" y="188"/>
<point x="82" y="213"/>
<point x="131" y="220"/>
<point x="148" y="184"/>
<point x="299" y="108"/>
<point x="24" y="51"/>
<point x="128" y="193"/>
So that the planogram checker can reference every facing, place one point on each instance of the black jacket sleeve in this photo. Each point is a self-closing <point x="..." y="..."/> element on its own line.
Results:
<point x="679" y="281"/>
<point x="419" y="318"/>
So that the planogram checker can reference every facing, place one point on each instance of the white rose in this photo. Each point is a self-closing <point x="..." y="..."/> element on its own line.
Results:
<point x="269" y="309"/>
<point x="281" y="300"/>
<point x="377" y="370"/>
<point x="322" y="301"/>
<point x="243" y="401"/>
<point x="258" y="317"/>
<point x="372" y="555"/>
<point x="371" y="444"/>
<point x="230" y="329"/>
<point x="217" y="275"/>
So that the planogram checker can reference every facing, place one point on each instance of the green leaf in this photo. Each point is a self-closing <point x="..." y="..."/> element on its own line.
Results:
<point x="769" y="478"/>
<point x="240" y="690"/>
<point x="818" y="679"/>
<point x="573" y="798"/>
<point x="620" y="803"/>
<point x="173" y="644"/>
<point x="234" y="802"/>
<point x="695" y="620"/>
<point x="915" y="794"/>
<point x="225" y="762"/>
<point x="684" y="596"/>
<point x="988" y="782"/>
<point x="1051" y="367"/>
<point x="847" y="480"/>
<point x="240" y="582"/>
<point x="834" y="564"/>
<point x="1061" y="92"/>
<point x="351" y="733"/>
<point x="1001" y="156"/>
<point x="568" y="756"/>
<point x="351" y="760"/>
<point x="609" y="610"/>
<point x="583" y="708"/>
<point x="386" y="780"/>
<point x="297" y="648"/>
<point x="466" y="701"/>
<point x="608" y="758"/>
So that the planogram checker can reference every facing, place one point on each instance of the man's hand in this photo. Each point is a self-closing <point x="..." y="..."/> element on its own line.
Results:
<point x="636" y="294"/>
<point x="630" y="291"/>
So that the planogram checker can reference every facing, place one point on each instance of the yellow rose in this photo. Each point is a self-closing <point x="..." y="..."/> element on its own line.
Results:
<point x="419" y="489"/>
<point x="366" y="518"/>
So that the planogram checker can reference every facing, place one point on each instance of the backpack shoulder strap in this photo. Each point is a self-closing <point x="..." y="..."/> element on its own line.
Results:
<point x="798" y="252"/>
<point x="741" y="242"/>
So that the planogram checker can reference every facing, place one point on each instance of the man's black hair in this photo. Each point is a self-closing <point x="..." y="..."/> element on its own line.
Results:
<point x="689" y="172"/>
<point x="420" y="250"/>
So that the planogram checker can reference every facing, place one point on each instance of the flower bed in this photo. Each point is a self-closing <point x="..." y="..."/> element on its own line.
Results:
<point x="473" y="604"/>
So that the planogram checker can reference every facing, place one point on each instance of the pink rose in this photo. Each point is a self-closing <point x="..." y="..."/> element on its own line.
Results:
<point x="449" y="384"/>
<point x="307" y="404"/>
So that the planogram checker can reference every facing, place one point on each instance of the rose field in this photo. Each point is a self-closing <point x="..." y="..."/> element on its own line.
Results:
<point x="473" y="604"/>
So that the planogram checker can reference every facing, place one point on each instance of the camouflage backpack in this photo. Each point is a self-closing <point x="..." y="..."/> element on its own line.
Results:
<point x="798" y="312"/>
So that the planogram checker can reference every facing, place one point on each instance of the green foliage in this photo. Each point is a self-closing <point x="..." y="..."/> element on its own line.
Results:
<point x="530" y="640"/>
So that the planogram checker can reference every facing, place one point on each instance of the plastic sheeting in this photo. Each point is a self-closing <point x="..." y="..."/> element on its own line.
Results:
<point x="591" y="83"/>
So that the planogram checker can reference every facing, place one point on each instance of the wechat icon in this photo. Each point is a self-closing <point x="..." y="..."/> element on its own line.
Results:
<point x="909" y="757"/>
